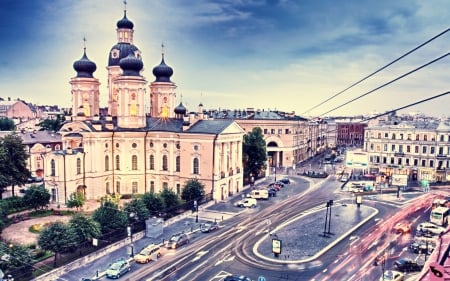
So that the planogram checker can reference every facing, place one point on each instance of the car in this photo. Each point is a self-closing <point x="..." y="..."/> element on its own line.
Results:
<point x="392" y="275"/>
<point x="209" y="226"/>
<point x="147" y="254"/>
<point x="237" y="278"/>
<point x="402" y="227"/>
<point x="280" y="184"/>
<point x="247" y="203"/>
<point x="407" y="265"/>
<point x="421" y="247"/>
<point x="285" y="180"/>
<point x="118" y="268"/>
<point x="428" y="227"/>
<point x="177" y="240"/>
<point x="275" y="185"/>
<point x="272" y="191"/>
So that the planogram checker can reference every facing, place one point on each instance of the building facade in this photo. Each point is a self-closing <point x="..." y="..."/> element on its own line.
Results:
<point x="133" y="150"/>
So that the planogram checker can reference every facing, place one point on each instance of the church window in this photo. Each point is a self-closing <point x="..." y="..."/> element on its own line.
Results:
<point x="134" y="187"/>
<point x="78" y="166"/>
<point x="164" y="162"/>
<point x="118" y="187"/>
<point x="152" y="186"/>
<point x="195" y="166"/>
<point x="178" y="145"/>
<point x="106" y="163"/>
<point x="134" y="163"/>
<point x="177" y="163"/>
<point x="52" y="168"/>
<point x="134" y="145"/>
<point x="152" y="162"/>
<point x="117" y="162"/>
<point x="106" y="145"/>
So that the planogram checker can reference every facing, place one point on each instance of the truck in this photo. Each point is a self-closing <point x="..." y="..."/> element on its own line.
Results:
<point x="259" y="194"/>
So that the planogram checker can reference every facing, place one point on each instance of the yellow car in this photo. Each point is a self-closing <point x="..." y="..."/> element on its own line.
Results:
<point x="151" y="252"/>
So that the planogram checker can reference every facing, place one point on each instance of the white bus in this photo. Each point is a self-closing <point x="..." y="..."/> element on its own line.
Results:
<point x="439" y="215"/>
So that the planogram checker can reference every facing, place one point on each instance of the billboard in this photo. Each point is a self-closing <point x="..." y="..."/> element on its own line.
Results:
<point x="400" y="180"/>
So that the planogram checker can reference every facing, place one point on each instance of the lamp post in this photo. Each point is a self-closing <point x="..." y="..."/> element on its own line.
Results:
<point x="275" y="170"/>
<point x="383" y="266"/>
<point x="196" y="210"/>
<point x="330" y="203"/>
<point x="130" y="234"/>
<point x="326" y="218"/>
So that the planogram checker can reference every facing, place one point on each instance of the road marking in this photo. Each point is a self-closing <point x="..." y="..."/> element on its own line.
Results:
<point x="199" y="255"/>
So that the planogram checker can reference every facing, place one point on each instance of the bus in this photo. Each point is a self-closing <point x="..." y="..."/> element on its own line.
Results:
<point x="439" y="216"/>
<point x="346" y="175"/>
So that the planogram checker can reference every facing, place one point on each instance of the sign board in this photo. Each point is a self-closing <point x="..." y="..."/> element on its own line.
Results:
<point x="261" y="278"/>
<point x="94" y="242"/>
<point x="400" y="180"/>
<point x="276" y="246"/>
<point x="436" y="272"/>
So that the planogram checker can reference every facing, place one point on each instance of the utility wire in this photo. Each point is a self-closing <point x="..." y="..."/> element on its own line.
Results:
<point x="388" y="83"/>
<point x="378" y="70"/>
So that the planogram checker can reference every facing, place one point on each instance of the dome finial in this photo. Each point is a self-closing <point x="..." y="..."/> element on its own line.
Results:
<point x="162" y="49"/>
<point x="84" y="43"/>
<point x="125" y="6"/>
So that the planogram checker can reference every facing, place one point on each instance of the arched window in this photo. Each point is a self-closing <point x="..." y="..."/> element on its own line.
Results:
<point x="152" y="162"/>
<point x="106" y="163"/>
<point x="118" y="187"/>
<point x="117" y="162"/>
<point x="78" y="166"/>
<point x="177" y="164"/>
<point x="134" y="163"/>
<point x="164" y="162"/>
<point x="195" y="166"/>
<point x="52" y="168"/>
<point x="108" y="189"/>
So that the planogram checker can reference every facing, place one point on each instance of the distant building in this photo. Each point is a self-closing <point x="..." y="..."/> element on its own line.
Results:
<point x="16" y="109"/>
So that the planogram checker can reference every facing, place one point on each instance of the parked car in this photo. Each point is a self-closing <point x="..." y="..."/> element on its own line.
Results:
<point x="392" y="275"/>
<point x="259" y="194"/>
<point x="280" y="184"/>
<point x="118" y="268"/>
<point x="209" y="226"/>
<point x="237" y="278"/>
<point x="285" y="180"/>
<point x="402" y="227"/>
<point x="247" y="203"/>
<point x="272" y="191"/>
<point x="177" y="240"/>
<point x="275" y="185"/>
<point x="421" y="247"/>
<point x="147" y="254"/>
<point x="428" y="227"/>
<point x="407" y="265"/>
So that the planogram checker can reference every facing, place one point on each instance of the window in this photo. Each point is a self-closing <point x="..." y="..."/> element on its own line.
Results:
<point x="371" y="146"/>
<point x="393" y="148"/>
<point x="401" y="136"/>
<point x="177" y="164"/>
<point x="431" y="163"/>
<point x="195" y="166"/>
<point x="118" y="187"/>
<point x="399" y="161"/>
<point x="384" y="159"/>
<point x="272" y="131"/>
<point x="424" y="149"/>
<point x="424" y="163"/>
<point x="386" y="135"/>
<point x="152" y="187"/>
<point x="408" y="148"/>
<point x="117" y="162"/>
<point x="108" y="188"/>
<point x="165" y="145"/>
<point x="164" y="162"/>
<point x="165" y="185"/>
<point x="425" y="137"/>
<point x="52" y="168"/>
<point x="441" y="150"/>
<point x="385" y="147"/>
<point x="407" y="161"/>
<point x="152" y="162"/>
<point x="441" y="138"/>
<point x="417" y="137"/>
<point x="416" y="149"/>
<point x="178" y="188"/>
<point x="416" y="162"/>
<point x="134" y="163"/>
<point x="265" y="131"/>
<point x="117" y="145"/>
<point x="393" y="136"/>
<point x="134" y="187"/>
<point x="379" y="135"/>
<point x="286" y="131"/>
<point x="432" y="150"/>
<point x="134" y="145"/>
<point x="409" y="136"/>
<point x="280" y="131"/>
<point x="78" y="166"/>
<point x="392" y="160"/>
<point x="106" y="163"/>
<point x="151" y="144"/>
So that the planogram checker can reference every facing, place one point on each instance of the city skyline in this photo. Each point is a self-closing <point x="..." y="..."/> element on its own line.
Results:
<point x="278" y="55"/>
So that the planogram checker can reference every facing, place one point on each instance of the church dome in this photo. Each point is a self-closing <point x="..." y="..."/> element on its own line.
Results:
<point x="84" y="67"/>
<point x="180" y="109"/>
<point x="162" y="72"/>
<point x="120" y="51"/>
<point x="125" y="22"/>
<point x="131" y="65"/>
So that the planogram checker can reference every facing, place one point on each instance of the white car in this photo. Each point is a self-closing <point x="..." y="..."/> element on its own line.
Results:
<point x="392" y="275"/>
<point x="430" y="228"/>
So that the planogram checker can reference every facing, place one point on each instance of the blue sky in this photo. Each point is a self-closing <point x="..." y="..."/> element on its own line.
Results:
<point x="288" y="55"/>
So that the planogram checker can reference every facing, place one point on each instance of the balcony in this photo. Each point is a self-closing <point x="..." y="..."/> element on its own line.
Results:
<point x="441" y="156"/>
<point x="399" y="154"/>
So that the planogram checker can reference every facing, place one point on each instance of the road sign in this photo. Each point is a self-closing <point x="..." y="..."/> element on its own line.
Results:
<point x="261" y="278"/>
<point x="436" y="272"/>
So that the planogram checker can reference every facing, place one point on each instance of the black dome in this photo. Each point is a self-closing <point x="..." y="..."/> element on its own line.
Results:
<point x="162" y="72"/>
<point x="124" y="22"/>
<point x="84" y="67"/>
<point x="131" y="65"/>
<point x="180" y="109"/>
<point x="120" y="51"/>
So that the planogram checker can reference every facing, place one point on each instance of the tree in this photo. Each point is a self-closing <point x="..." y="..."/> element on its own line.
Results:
<point x="76" y="200"/>
<point x="6" y="124"/>
<point x="170" y="198"/>
<point x="254" y="154"/>
<point x="14" y="256"/>
<point x="52" y="124"/>
<point x="37" y="197"/>
<point x="57" y="238"/>
<point x="14" y="157"/>
<point x="137" y="207"/>
<point x="153" y="202"/>
<point x="110" y="217"/>
<point x="85" y="228"/>
<point x="193" y="190"/>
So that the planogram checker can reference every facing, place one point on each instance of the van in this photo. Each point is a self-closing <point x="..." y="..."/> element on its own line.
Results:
<point x="247" y="203"/>
<point x="259" y="194"/>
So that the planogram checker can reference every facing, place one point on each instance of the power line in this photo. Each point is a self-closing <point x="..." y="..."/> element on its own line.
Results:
<point x="388" y="83"/>
<point x="378" y="70"/>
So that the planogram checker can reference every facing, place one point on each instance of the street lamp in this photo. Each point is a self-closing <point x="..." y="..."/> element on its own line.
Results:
<point x="196" y="210"/>
<point x="130" y="234"/>
<point x="330" y="203"/>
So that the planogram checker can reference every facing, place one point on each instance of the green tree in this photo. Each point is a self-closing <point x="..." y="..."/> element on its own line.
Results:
<point x="193" y="190"/>
<point x="137" y="207"/>
<point x="170" y="198"/>
<point x="52" y="124"/>
<point x="110" y="217"/>
<point x="57" y="238"/>
<point x="153" y="202"/>
<point x="84" y="227"/>
<point x="14" y="256"/>
<point x="14" y="157"/>
<point x="254" y="153"/>
<point x="37" y="197"/>
<point x="6" y="124"/>
<point x="76" y="200"/>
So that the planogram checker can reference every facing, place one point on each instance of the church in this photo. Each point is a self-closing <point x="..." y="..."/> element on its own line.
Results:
<point x="144" y="143"/>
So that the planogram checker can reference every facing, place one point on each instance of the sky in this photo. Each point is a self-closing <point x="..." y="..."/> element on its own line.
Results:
<point x="287" y="55"/>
